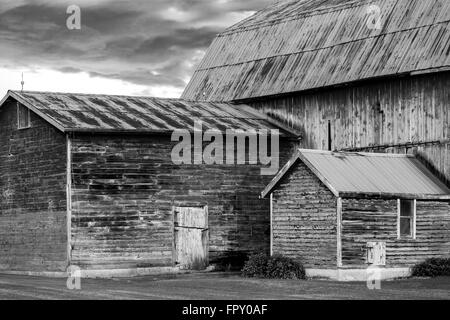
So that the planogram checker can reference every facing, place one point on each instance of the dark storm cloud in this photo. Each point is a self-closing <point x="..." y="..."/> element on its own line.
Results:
<point x="153" y="42"/>
<point x="176" y="40"/>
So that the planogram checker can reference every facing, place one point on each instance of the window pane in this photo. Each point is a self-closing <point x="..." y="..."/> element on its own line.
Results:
<point x="405" y="226"/>
<point x="406" y="208"/>
<point x="24" y="117"/>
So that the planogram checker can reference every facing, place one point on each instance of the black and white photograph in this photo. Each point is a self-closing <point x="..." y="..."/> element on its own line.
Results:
<point x="225" y="155"/>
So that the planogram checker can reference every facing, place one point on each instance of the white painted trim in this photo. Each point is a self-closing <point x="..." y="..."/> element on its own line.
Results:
<point x="413" y="220"/>
<point x="414" y="230"/>
<point x="398" y="219"/>
<point x="339" y="232"/>
<point x="69" y="199"/>
<point x="357" y="274"/>
<point x="271" y="224"/>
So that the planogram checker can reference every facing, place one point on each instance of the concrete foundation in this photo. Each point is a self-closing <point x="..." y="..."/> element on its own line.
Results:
<point x="359" y="274"/>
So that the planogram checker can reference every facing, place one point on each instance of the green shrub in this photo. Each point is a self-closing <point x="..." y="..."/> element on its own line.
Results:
<point x="256" y="266"/>
<point x="433" y="267"/>
<point x="275" y="267"/>
<point x="280" y="267"/>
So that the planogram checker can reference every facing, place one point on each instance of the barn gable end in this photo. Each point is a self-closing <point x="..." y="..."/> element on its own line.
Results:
<point x="33" y="224"/>
<point x="304" y="219"/>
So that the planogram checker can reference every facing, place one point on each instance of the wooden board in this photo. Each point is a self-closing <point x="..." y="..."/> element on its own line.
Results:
<point x="375" y="221"/>
<point x="402" y="115"/>
<point x="304" y="216"/>
<point x="191" y="237"/>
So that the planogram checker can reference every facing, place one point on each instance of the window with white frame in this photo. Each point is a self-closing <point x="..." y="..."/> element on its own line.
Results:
<point x="23" y="117"/>
<point x="406" y="220"/>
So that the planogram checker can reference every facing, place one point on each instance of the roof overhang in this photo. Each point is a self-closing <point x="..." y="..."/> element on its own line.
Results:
<point x="393" y="196"/>
<point x="29" y="105"/>
<point x="285" y="131"/>
<point x="298" y="156"/>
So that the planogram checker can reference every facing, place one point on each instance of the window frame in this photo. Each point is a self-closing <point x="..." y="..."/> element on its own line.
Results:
<point x="19" y="127"/>
<point x="413" y="220"/>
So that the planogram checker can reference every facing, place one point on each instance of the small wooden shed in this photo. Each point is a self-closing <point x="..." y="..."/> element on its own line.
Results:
<point x="340" y="213"/>
<point x="89" y="181"/>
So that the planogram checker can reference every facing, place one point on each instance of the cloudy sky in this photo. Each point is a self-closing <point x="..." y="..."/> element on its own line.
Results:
<point x="134" y="47"/>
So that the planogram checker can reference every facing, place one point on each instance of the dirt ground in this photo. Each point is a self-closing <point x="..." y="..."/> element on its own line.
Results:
<point x="217" y="286"/>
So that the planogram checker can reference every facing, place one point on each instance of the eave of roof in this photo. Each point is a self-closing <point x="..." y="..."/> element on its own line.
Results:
<point x="228" y="114"/>
<point x="299" y="156"/>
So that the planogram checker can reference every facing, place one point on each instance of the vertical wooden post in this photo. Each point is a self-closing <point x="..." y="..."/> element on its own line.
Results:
<point x="207" y="235"/>
<point x="69" y="198"/>
<point x="339" y="232"/>
<point x="271" y="224"/>
<point x="174" y="240"/>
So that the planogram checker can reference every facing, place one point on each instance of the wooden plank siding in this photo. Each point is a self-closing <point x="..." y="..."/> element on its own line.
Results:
<point x="402" y="115"/>
<point x="304" y="219"/>
<point x="366" y="220"/>
<point x="33" y="231"/>
<point x="125" y="187"/>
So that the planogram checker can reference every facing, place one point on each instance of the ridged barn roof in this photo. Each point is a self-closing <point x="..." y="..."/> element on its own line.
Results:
<point x="106" y="113"/>
<point x="307" y="44"/>
<point x="377" y="175"/>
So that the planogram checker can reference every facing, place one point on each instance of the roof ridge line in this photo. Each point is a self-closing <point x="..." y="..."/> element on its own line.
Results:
<point x="235" y="29"/>
<point x="126" y="96"/>
<point x="95" y="94"/>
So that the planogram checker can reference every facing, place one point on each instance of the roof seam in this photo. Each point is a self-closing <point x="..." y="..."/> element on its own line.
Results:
<point x="323" y="48"/>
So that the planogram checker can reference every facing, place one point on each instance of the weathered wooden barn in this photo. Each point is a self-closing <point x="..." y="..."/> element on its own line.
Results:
<point x="324" y="68"/>
<point x="341" y="212"/>
<point x="88" y="180"/>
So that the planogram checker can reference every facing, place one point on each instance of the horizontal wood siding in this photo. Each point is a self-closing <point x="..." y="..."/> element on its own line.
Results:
<point x="376" y="220"/>
<point x="33" y="228"/>
<point x="375" y="116"/>
<point x="123" y="191"/>
<point x="304" y="219"/>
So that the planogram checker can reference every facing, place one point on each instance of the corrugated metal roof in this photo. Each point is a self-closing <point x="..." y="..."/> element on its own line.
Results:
<point x="371" y="174"/>
<point x="309" y="44"/>
<point x="84" y="112"/>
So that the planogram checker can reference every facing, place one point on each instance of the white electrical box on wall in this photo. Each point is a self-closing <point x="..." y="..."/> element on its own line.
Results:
<point x="376" y="253"/>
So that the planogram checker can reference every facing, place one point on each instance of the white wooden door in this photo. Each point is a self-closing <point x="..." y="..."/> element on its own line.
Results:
<point x="191" y="237"/>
